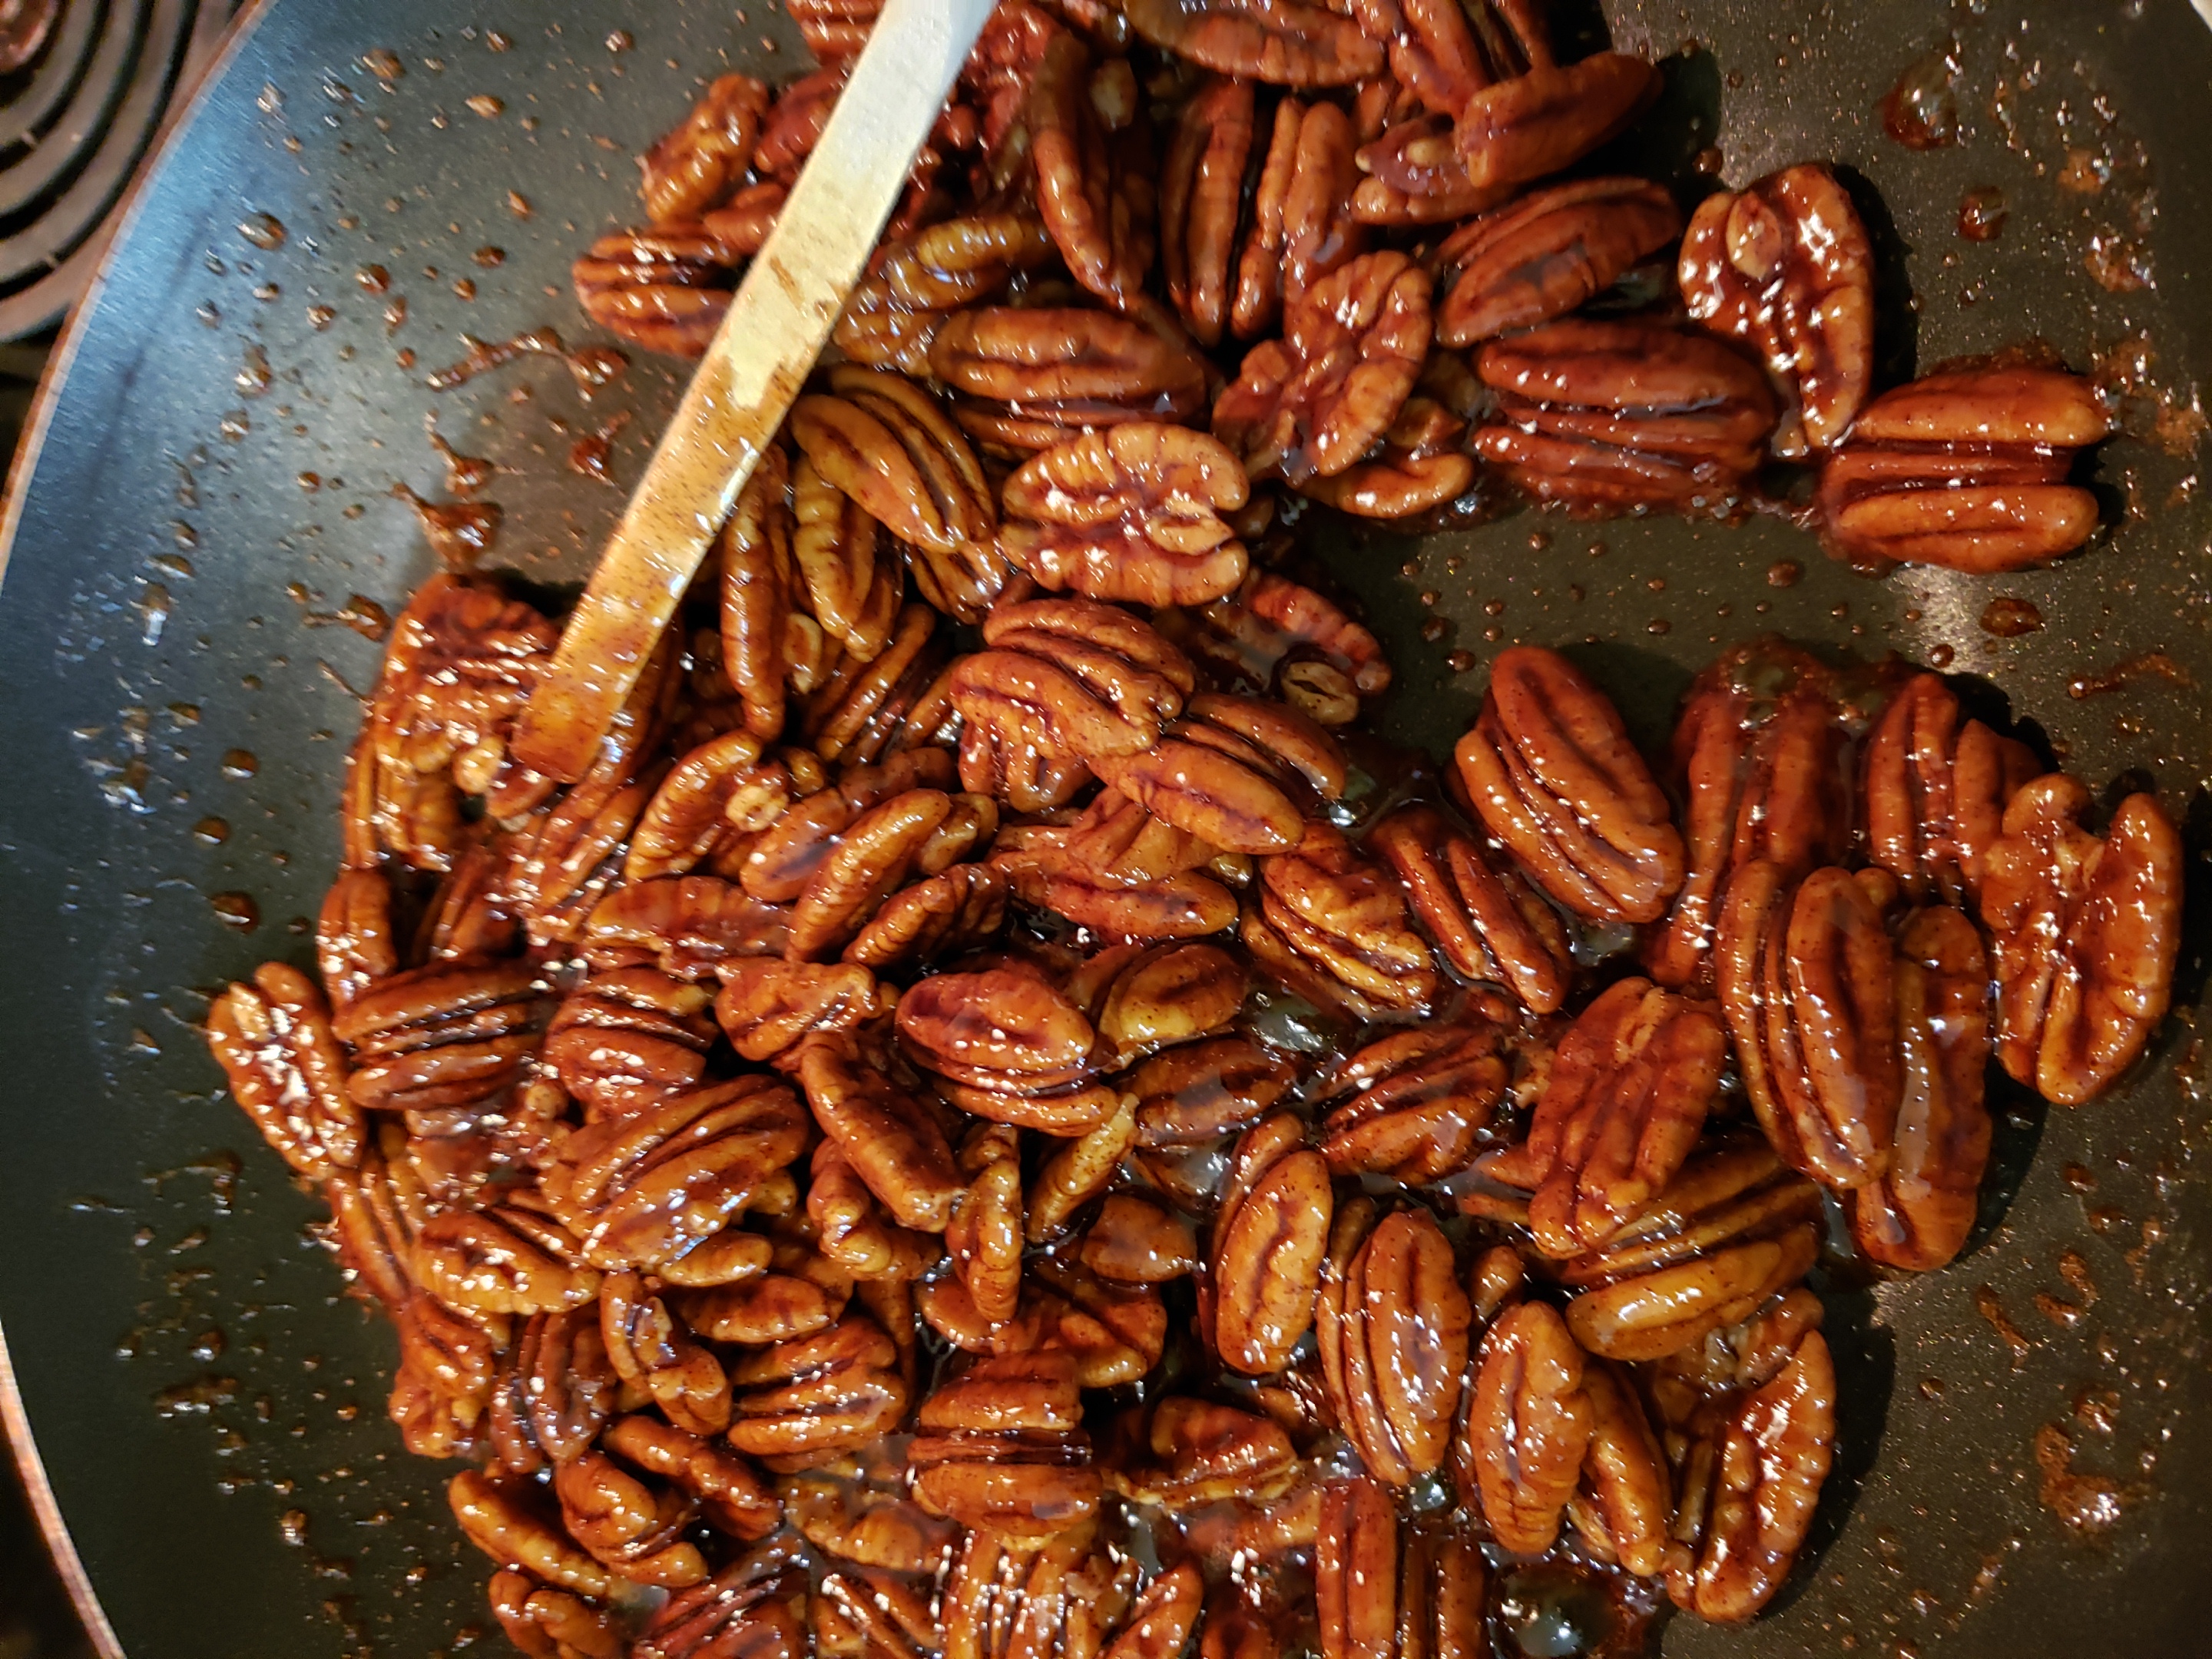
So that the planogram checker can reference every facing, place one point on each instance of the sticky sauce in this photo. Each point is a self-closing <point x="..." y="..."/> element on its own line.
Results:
<point x="2009" y="616"/>
<point x="1921" y="111"/>
<point x="459" y="532"/>
<point x="1982" y="214"/>
<point x="2144" y="665"/>
<point x="590" y="455"/>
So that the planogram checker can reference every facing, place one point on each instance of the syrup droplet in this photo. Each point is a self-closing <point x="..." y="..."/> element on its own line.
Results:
<point x="265" y="230"/>
<point x="459" y="532"/>
<point x="237" y="910"/>
<point x="1982" y="213"/>
<point x="591" y="452"/>
<point x="213" y="831"/>
<point x="1921" y="111"/>
<point x="1784" y="573"/>
<point x="240" y="764"/>
<point x="2009" y="616"/>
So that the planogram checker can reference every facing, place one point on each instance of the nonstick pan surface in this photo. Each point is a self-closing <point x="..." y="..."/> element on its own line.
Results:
<point x="175" y="702"/>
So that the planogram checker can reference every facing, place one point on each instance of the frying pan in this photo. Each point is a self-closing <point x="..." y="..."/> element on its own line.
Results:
<point x="190" y="1393"/>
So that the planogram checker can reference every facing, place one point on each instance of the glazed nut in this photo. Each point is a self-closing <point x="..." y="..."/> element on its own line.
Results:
<point x="355" y="946"/>
<point x="871" y="1529"/>
<point x="1131" y="513"/>
<point x="662" y="287"/>
<point x="1413" y="1104"/>
<point x="1546" y="254"/>
<point x="1093" y="680"/>
<point x="1785" y="267"/>
<point x="747" y="1607"/>
<point x="1201" y="1452"/>
<point x="1329" y="913"/>
<point x="1202" y="1090"/>
<point x="655" y="1351"/>
<point x="1030" y="378"/>
<point x="1001" y="1447"/>
<point x="1759" y="757"/>
<point x="1136" y="1239"/>
<point x="1625" y="1507"/>
<point x="1270" y="1239"/>
<point x="624" y="1039"/>
<point x="1483" y="917"/>
<point x="1934" y="791"/>
<point x="546" y="1624"/>
<point x="555" y="1391"/>
<point x="626" y="1524"/>
<point x="985" y="1238"/>
<point x="1538" y="124"/>
<point x="1143" y="997"/>
<point x="1312" y="404"/>
<point x="1094" y="189"/>
<point x="1118" y="870"/>
<point x="766" y="1007"/>
<point x="2083" y="936"/>
<point x="1392" y="1325"/>
<point x="700" y="163"/>
<point x="1009" y="1047"/>
<point x="1551" y="774"/>
<point x="508" y="1259"/>
<point x="894" y="1143"/>
<point x="688" y="926"/>
<point x="1527" y="1427"/>
<point x="274" y="1041"/>
<point x="802" y="1402"/>
<point x="1622" y="1109"/>
<point x="499" y="1522"/>
<point x="1390" y="1589"/>
<point x="1807" y="975"/>
<point x="1295" y="43"/>
<point x="1301" y="222"/>
<point x="1966" y="469"/>
<point x="1608" y="417"/>
<point x="1232" y="773"/>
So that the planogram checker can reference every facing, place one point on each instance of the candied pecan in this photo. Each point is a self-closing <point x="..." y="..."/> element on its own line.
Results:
<point x="646" y="1188"/>
<point x="1551" y="774"/>
<point x="894" y="1142"/>
<point x="871" y="1527"/>
<point x="1302" y="227"/>
<point x="1327" y="911"/>
<point x="920" y="829"/>
<point x="1141" y="998"/>
<point x="686" y="926"/>
<point x="1392" y="1325"/>
<point x="444" y="1035"/>
<point x="1807" y="975"/>
<point x="1412" y="176"/>
<point x="467" y="916"/>
<point x="1785" y="266"/>
<point x="1626" y="1505"/>
<point x="777" y="864"/>
<point x="1966" y="470"/>
<point x="1118" y="871"/>
<point x="1731" y="1230"/>
<point x="963" y="906"/>
<point x="747" y="1609"/>
<point x="274" y="1041"/>
<point x="1415" y="468"/>
<point x="1202" y="1090"/>
<point x="852" y="589"/>
<point x="1934" y="789"/>
<point x="731" y="1494"/>
<point x="1135" y="1240"/>
<point x="501" y="1521"/>
<point x="1389" y="1589"/>
<point x="2083" y="936"/>
<point x="624" y="1039"/>
<point x="633" y="1528"/>
<point x="1270" y="1239"/>
<point x="984" y="1241"/>
<point x="800" y="1402"/>
<point x="376" y="1210"/>
<point x="1049" y="1598"/>
<point x="851" y="1230"/>
<point x="447" y="1371"/>
<point x="1546" y="254"/>
<point x="698" y="163"/>
<point x="1749" y="1488"/>
<point x="865" y="713"/>
<point x="1077" y="1173"/>
<point x="1094" y="187"/>
<point x="765" y="1007"/>
<point x="555" y="1391"/>
<point x="1435" y="54"/>
<point x="1073" y="674"/>
<point x="1001" y="1448"/>
<point x="1760" y="756"/>
<point x="1627" y="1093"/>
<point x="1201" y="1452"/>
<point x="1292" y="43"/>
<point x="508" y="1259"/>
<point x="1131" y="513"/>
<point x="1280" y="636"/>
<point x="766" y="642"/>
<point x="551" y="1624"/>
<point x="795" y="120"/>
<point x="1032" y="377"/>
<point x="1312" y="404"/>
<point x="353" y="943"/>
<point x="893" y="317"/>
<point x="1917" y="1216"/>
<point x="1527" y="1426"/>
<point x="801" y="1293"/>
<point x="1485" y="918"/>
<point x="1005" y="1045"/>
<point x="885" y="443"/>
<point x="719" y="789"/>
<point x="1115" y="1331"/>
<point x="1202" y="180"/>
<point x="664" y="287"/>
<point x="1159" y="1625"/>
<point x="1413" y="1104"/>
<point x="1608" y="417"/>
<point x="1529" y="126"/>
<point x="1230" y="772"/>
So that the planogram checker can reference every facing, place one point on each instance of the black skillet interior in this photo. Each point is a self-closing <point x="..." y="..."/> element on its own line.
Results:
<point x="174" y="706"/>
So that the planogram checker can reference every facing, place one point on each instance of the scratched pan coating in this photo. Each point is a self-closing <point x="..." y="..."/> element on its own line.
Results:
<point x="210" y="1413"/>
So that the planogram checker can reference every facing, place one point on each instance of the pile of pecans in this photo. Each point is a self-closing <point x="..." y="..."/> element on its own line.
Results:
<point x="993" y="1120"/>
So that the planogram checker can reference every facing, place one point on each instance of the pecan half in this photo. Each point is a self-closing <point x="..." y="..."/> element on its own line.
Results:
<point x="1084" y="678"/>
<point x="1202" y="184"/>
<point x="1749" y="1488"/>
<point x="688" y="926"/>
<point x="555" y="1391"/>
<point x="1622" y="1106"/>
<point x="1326" y="914"/>
<point x="505" y="1525"/>
<point x="1416" y="468"/>
<point x="984" y="1241"/>
<point x="1033" y="377"/>
<point x="1392" y="1325"/>
<point x="1534" y="125"/>
<point x="1302" y="227"/>
<point x="700" y="163"/>
<point x="731" y="1497"/>
<point x="1203" y="1090"/>
<point x="508" y="1259"/>
<point x="893" y="1141"/>
<point x="746" y="1608"/>
<point x="767" y="1007"/>
<point x="719" y="790"/>
<point x="355" y="946"/>
<point x="1146" y="997"/>
<point x="1270" y="1239"/>
<point x="1917" y="1216"/>
<point x="867" y="1525"/>
<point x="1201" y="1452"/>
<point x="2083" y="936"/>
<point x="1966" y="470"/>
<point x="274" y="1042"/>
<point x="1934" y="790"/>
<point x="1001" y="1448"/>
<point x="1761" y="759"/>
<point x="624" y="1039"/>
<point x="1627" y="1503"/>
<point x="921" y="829"/>
<point x="1118" y="871"/>
<point x="1485" y="918"/>
<point x="1731" y="1230"/>
<point x="635" y="1529"/>
<point x="664" y="287"/>
<point x="1280" y="637"/>
<point x="1806" y="976"/>
<point x="551" y="1624"/>
<point x="1293" y="43"/>
<point x="834" y="28"/>
<point x="802" y="1402"/>
<point x="1551" y="774"/>
<point x="893" y="318"/>
<point x="1232" y="772"/>
<point x="778" y="864"/>
<point x="1008" y="1045"/>
<point x="1093" y="188"/>
<point x="1608" y="417"/>
<point x="1413" y="1105"/>
<point x="1785" y="267"/>
<point x="1133" y="513"/>
<point x="1413" y="176"/>
<point x="1135" y="1240"/>
<point x="444" y="1035"/>
<point x="1527" y="1427"/>
<point x="1312" y="404"/>
<point x="1546" y="254"/>
<point x="1389" y="1589"/>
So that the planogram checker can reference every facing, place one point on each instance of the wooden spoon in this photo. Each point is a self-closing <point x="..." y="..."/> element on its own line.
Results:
<point x="777" y="325"/>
